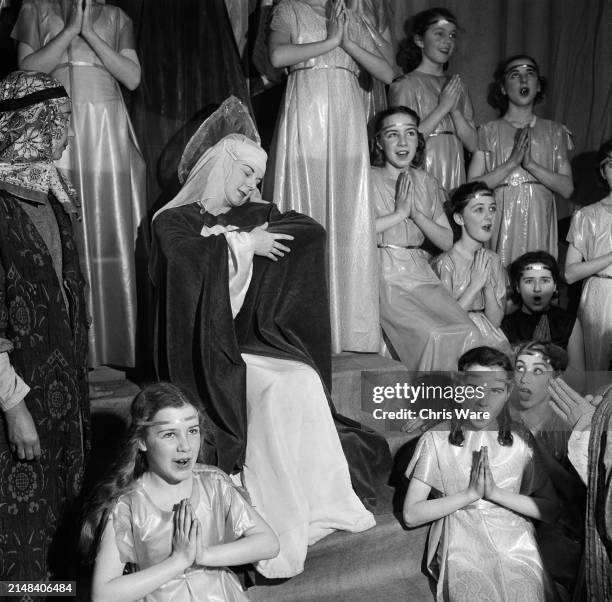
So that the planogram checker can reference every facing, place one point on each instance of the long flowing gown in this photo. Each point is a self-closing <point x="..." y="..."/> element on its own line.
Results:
<point x="42" y="313"/>
<point x="261" y="376"/>
<point x="424" y="324"/>
<point x="483" y="551"/>
<point x="444" y="157"/>
<point x="106" y="167"/>
<point x="143" y="534"/>
<point x="526" y="217"/>
<point x="320" y="166"/>
<point x="591" y="234"/>
<point x="454" y="270"/>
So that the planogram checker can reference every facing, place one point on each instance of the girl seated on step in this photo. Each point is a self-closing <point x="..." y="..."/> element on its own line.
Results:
<point x="424" y="325"/>
<point x="488" y="484"/>
<point x="177" y="523"/>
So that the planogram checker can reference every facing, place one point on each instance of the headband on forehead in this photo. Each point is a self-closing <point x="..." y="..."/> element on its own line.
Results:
<point x="396" y="124"/>
<point x="536" y="266"/>
<point x="13" y="104"/>
<point x="441" y="21"/>
<point x="532" y="65"/>
<point x="480" y="194"/>
<point x="178" y="421"/>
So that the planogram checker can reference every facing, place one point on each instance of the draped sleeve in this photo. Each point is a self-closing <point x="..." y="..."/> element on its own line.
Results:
<point x="240" y="516"/>
<point x="26" y="28"/>
<point x="425" y="464"/>
<point x="485" y="139"/>
<point x="563" y="144"/>
<point x="580" y="231"/>
<point x="497" y="277"/>
<point x="444" y="268"/>
<point x="467" y="107"/>
<point x="121" y="517"/>
<point x="284" y="19"/>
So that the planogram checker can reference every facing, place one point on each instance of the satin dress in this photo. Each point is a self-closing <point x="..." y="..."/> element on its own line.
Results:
<point x="444" y="157"/>
<point x="104" y="163"/>
<point x="591" y="234"/>
<point x="425" y="326"/>
<point x="295" y="471"/>
<point x="454" y="270"/>
<point x="143" y="534"/>
<point x="319" y="165"/>
<point x="526" y="218"/>
<point x="482" y="551"/>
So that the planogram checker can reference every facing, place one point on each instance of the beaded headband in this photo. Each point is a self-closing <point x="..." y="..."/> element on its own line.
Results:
<point x="441" y="21"/>
<point x="536" y="266"/>
<point x="396" y="124"/>
<point x="480" y="194"/>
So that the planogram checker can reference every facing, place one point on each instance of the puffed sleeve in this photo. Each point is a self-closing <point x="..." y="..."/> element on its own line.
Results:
<point x="425" y="465"/>
<point x="239" y="516"/>
<point x="124" y="537"/>
<point x="284" y="19"/>
<point x="26" y="28"/>
<point x="401" y="92"/>
<point x="535" y="474"/>
<point x="580" y="232"/>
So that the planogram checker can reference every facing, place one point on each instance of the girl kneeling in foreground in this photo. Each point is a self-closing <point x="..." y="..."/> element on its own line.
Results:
<point x="177" y="522"/>
<point x="489" y="484"/>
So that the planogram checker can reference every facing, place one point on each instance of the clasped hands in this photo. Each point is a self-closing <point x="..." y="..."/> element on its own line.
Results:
<point x="338" y="24"/>
<point x="81" y="22"/>
<point x="482" y="484"/>
<point x="521" y="151"/>
<point x="187" y="540"/>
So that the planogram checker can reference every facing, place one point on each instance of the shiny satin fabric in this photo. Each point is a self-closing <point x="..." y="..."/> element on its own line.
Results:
<point x="143" y="534"/>
<point x="424" y="324"/>
<point x="454" y="270"/>
<point x="482" y="551"/>
<point x="444" y="150"/>
<point x="319" y="165"/>
<point x="295" y="470"/>
<point x="526" y="218"/>
<point x="591" y="234"/>
<point x="104" y="163"/>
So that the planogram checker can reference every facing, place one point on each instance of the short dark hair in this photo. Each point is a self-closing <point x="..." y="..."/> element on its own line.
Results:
<point x="517" y="267"/>
<point x="496" y="98"/>
<point x="459" y="201"/>
<point x="556" y="356"/>
<point x="605" y="151"/>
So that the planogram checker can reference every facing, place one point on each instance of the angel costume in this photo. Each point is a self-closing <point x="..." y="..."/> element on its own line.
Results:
<point x="143" y="534"/>
<point x="444" y="153"/>
<point x="526" y="218"/>
<point x="482" y="551"/>
<point x="590" y="234"/>
<point x="251" y="337"/>
<point x="425" y="326"/>
<point x="106" y="166"/>
<point x="454" y="269"/>
<point x="321" y="167"/>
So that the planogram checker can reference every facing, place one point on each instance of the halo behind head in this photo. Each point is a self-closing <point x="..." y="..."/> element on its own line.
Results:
<point x="232" y="117"/>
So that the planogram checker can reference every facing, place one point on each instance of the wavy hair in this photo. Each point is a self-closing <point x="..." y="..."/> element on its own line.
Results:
<point x="377" y="155"/>
<point x="131" y="462"/>
<point x="554" y="355"/>
<point x="409" y="55"/>
<point x="605" y="151"/>
<point x="459" y="200"/>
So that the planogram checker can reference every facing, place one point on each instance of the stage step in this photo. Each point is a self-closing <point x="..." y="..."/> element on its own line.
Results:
<point x="382" y="564"/>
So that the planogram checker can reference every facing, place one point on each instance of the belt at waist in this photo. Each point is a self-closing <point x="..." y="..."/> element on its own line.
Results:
<point x="388" y="246"/>
<point x="514" y="183"/>
<point x="443" y="133"/>
<point x="79" y="64"/>
<point x="315" y="67"/>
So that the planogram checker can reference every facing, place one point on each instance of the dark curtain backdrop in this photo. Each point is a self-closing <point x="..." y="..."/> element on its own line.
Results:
<point x="572" y="42"/>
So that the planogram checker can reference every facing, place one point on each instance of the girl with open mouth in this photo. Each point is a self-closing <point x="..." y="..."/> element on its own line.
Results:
<point x="524" y="159"/>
